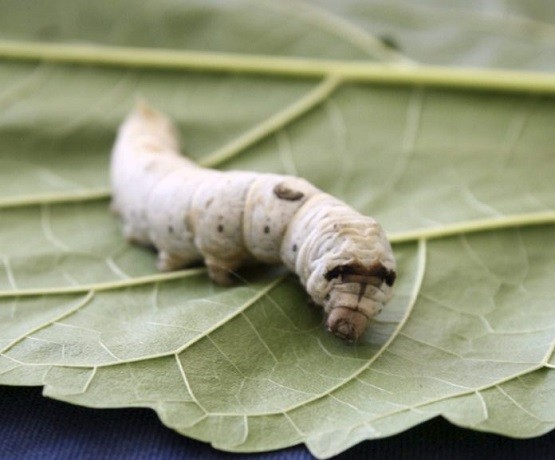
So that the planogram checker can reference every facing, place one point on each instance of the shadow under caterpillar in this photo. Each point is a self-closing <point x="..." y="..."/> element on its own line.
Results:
<point x="190" y="213"/>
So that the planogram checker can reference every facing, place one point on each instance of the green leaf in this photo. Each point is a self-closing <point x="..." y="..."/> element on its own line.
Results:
<point x="456" y="164"/>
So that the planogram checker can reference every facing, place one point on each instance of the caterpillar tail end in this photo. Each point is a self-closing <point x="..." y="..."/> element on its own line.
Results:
<point x="142" y="106"/>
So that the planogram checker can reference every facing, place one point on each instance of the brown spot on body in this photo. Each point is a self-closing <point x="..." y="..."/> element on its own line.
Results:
<point x="294" y="248"/>
<point x="170" y="229"/>
<point x="220" y="228"/>
<point x="208" y="203"/>
<point x="285" y="193"/>
<point x="358" y="273"/>
<point x="266" y="229"/>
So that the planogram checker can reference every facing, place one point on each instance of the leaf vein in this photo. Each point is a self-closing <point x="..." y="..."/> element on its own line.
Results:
<point x="279" y="120"/>
<point x="84" y="301"/>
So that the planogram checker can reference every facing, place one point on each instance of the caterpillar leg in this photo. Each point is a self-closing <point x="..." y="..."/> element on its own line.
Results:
<point x="114" y="208"/>
<point x="132" y="236"/>
<point x="221" y="272"/>
<point x="168" y="262"/>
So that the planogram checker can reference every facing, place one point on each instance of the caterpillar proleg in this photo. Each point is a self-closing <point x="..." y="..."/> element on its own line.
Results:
<point x="190" y="213"/>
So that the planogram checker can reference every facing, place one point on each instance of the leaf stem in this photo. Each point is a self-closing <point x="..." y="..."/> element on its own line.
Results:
<point x="155" y="278"/>
<point x="472" y="226"/>
<point x="392" y="74"/>
<point x="72" y="196"/>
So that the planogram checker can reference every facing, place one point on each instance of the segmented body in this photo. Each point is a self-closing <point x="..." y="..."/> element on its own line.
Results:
<point x="226" y="219"/>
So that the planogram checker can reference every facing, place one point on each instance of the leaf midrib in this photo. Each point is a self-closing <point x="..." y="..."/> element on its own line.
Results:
<point x="293" y="67"/>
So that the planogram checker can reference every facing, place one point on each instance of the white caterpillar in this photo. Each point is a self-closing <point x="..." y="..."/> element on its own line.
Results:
<point x="190" y="213"/>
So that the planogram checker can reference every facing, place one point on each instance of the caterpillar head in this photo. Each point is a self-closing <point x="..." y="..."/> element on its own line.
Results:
<point x="352" y="274"/>
<point x="356" y="293"/>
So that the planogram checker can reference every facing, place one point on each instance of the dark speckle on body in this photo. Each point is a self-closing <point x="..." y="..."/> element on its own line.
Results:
<point x="266" y="229"/>
<point x="220" y="228"/>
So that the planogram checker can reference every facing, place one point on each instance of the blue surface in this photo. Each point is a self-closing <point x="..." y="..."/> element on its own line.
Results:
<point x="34" y="427"/>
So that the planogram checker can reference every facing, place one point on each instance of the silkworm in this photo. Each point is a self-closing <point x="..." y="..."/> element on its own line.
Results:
<point x="227" y="219"/>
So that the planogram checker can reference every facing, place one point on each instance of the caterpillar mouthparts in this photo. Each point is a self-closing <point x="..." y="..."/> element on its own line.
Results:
<point x="189" y="213"/>
<point x="346" y="323"/>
